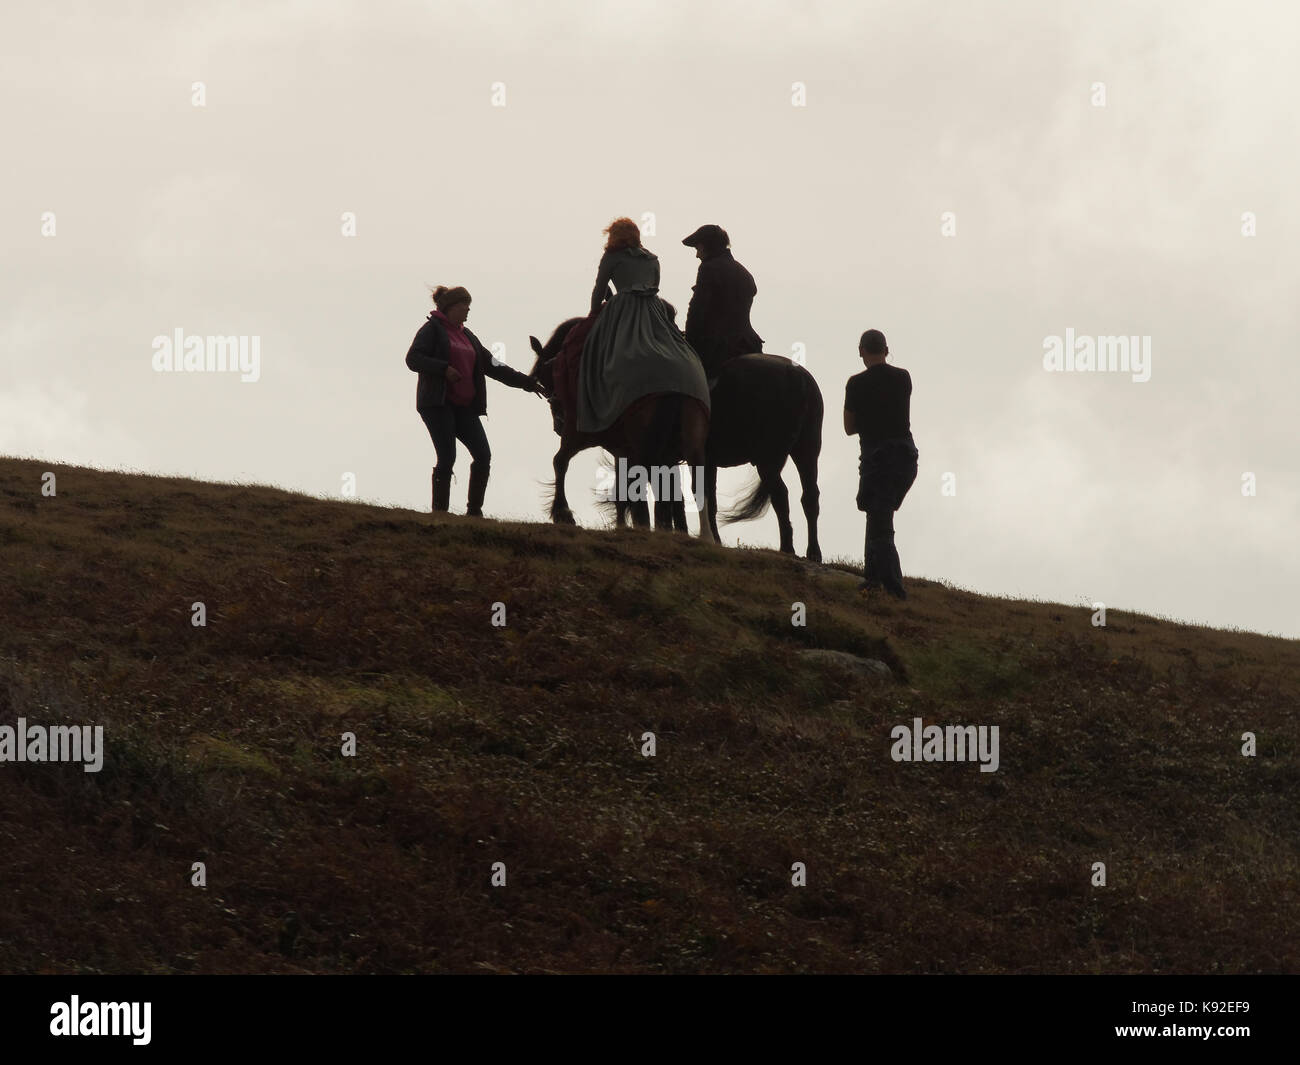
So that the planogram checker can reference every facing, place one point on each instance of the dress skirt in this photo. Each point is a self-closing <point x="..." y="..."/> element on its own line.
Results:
<point x="633" y="350"/>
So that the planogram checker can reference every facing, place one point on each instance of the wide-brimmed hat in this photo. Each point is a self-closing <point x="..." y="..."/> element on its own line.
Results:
<point x="709" y="236"/>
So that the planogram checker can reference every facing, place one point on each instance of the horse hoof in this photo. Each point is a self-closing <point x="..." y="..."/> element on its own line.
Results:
<point x="564" y="517"/>
<point x="814" y="555"/>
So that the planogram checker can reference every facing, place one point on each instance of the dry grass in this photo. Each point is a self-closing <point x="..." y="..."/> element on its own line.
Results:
<point x="520" y="744"/>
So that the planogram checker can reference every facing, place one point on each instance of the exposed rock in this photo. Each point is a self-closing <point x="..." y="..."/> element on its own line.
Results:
<point x="867" y="667"/>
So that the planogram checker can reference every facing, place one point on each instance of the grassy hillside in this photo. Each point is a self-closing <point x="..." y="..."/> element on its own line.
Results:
<point x="522" y="744"/>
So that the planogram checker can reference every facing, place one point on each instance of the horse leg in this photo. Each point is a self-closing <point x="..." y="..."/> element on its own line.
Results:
<point x="662" y="479"/>
<point x="679" y="502"/>
<point x="711" y="494"/>
<point x="704" y="485"/>
<point x="663" y="514"/>
<point x="560" y="512"/>
<point x="805" y="461"/>
<point x="707" y="522"/>
<point x="630" y="513"/>
<point x="770" y="472"/>
<point x="694" y="447"/>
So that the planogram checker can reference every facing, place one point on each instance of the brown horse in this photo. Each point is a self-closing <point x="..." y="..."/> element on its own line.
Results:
<point x="766" y="410"/>
<point x="656" y="433"/>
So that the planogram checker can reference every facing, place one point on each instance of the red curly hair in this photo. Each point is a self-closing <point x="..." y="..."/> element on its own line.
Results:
<point x="623" y="233"/>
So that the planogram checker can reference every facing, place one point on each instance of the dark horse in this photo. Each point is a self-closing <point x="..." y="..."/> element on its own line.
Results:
<point x="765" y="409"/>
<point x="657" y="432"/>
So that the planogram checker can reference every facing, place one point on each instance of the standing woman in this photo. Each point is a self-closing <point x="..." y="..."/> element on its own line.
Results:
<point x="634" y="347"/>
<point x="451" y="395"/>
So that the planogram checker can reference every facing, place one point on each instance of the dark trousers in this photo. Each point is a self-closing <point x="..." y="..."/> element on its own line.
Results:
<point x="887" y="473"/>
<point x="449" y="423"/>
<point x="881" y="567"/>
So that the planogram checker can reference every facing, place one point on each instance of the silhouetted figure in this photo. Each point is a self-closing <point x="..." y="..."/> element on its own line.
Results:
<point x="452" y="393"/>
<point x="633" y="349"/>
<point x="877" y="407"/>
<point x="717" y="320"/>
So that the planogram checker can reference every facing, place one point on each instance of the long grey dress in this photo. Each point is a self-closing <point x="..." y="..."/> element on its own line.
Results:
<point x="634" y="348"/>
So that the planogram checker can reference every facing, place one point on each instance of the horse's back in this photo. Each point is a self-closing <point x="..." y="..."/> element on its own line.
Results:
<point x="762" y="404"/>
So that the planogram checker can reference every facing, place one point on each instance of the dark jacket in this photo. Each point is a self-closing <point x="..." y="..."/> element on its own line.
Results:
<point x="717" y="320"/>
<point x="630" y="270"/>
<point x="430" y="356"/>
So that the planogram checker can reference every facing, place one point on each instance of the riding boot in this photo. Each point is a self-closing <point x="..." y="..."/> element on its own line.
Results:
<point x="478" y="480"/>
<point x="441" y="490"/>
<point x="891" y="570"/>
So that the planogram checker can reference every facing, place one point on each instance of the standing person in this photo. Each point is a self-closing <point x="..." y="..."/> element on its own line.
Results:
<point x="717" y="319"/>
<point x="877" y="406"/>
<point x="634" y="348"/>
<point x="451" y="395"/>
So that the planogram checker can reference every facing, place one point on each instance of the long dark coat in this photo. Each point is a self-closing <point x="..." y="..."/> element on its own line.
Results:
<point x="430" y="355"/>
<point x="717" y="320"/>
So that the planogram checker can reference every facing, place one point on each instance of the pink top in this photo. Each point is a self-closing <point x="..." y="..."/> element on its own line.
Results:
<point x="460" y="393"/>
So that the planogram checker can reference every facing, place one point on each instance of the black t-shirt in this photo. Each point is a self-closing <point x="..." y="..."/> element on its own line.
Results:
<point x="880" y="399"/>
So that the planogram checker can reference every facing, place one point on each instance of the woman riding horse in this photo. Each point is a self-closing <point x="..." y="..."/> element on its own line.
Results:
<point x="633" y="348"/>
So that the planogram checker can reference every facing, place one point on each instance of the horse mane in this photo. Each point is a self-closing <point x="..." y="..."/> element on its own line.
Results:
<point x="552" y="347"/>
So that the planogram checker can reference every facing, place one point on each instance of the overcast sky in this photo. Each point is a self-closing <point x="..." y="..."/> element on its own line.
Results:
<point x="1122" y="219"/>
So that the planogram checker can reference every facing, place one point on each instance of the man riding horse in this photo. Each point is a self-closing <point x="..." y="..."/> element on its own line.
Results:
<point x="625" y="379"/>
<point x="717" y="320"/>
<point x="762" y="409"/>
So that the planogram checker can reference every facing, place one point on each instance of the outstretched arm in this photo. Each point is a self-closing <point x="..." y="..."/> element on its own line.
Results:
<point x="503" y="373"/>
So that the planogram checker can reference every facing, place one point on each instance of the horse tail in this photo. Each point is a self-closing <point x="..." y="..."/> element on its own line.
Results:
<point x="548" y="494"/>
<point x="754" y="505"/>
